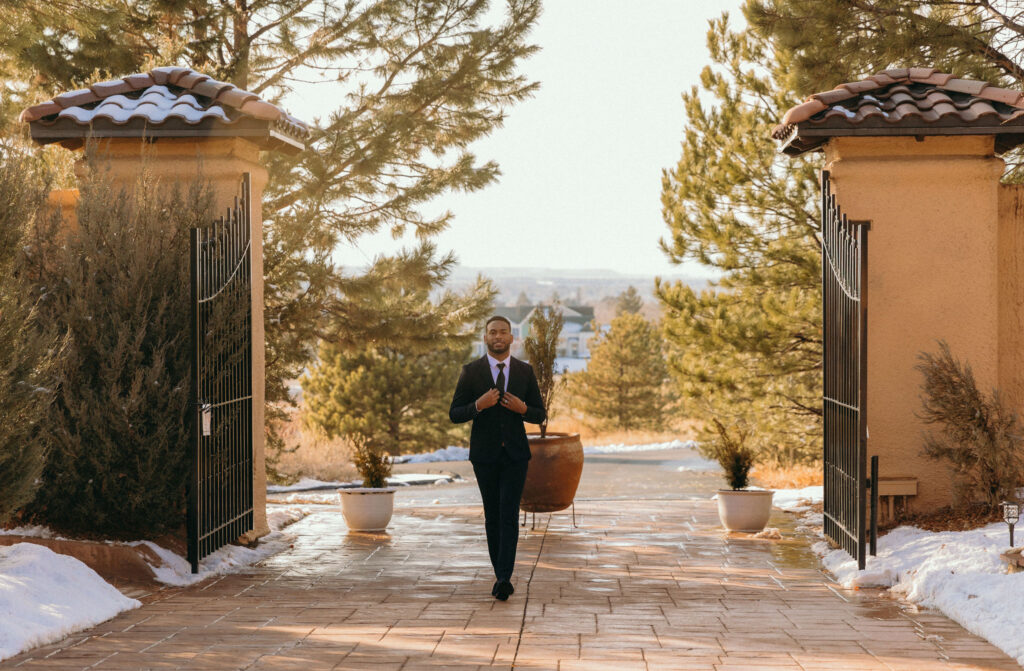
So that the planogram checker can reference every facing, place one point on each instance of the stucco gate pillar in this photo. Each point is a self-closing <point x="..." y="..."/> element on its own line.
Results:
<point x="178" y="122"/>
<point x="913" y="151"/>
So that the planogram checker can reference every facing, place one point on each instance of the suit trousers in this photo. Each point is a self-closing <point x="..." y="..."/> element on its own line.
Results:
<point x="501" y="487"/>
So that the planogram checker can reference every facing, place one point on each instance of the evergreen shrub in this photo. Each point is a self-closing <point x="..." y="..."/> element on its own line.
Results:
<point x="117" y="283"/>
<point x="980" y="438"/>
<point x="27" y="355"/>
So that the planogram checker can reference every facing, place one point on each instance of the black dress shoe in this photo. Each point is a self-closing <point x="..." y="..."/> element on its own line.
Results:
<point x="494" y="590"/>
<point x="503" y="590"/>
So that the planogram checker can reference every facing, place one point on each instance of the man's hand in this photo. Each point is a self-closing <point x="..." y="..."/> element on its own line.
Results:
<point x="488" y="399"/>
<point x="513" y="403"/>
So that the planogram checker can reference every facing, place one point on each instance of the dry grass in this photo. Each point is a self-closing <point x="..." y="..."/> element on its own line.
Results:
<point x="792" y="477"/>
<point x="311" y="454"/>
<point x="566" y="419"/>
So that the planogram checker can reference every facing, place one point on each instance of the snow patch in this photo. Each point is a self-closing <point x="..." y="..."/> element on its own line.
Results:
<point x="45" y="596"/>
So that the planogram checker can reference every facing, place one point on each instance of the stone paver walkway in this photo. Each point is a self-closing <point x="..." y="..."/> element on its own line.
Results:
<point x="652" y="585"/>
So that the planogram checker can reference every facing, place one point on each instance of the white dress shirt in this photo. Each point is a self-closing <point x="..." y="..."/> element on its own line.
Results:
<point x="494" y="369"/>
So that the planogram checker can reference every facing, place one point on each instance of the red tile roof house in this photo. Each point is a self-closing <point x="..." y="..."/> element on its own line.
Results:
<point x="183" y="116"/>
<point x="915" y="152"/>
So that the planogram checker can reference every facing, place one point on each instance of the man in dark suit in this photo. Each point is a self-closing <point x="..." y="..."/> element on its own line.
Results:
<point x="499" y="392"/>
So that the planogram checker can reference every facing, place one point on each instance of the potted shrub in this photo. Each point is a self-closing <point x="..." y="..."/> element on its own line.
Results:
<point x="369" y="508"/>
<point x="556" y="460"/>
<point x="739" y="508"/>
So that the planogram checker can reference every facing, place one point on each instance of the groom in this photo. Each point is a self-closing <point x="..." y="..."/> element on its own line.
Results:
<point x="499" y="393"/>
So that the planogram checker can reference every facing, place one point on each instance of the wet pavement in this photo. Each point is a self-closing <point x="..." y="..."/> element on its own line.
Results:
<point x="649" y="582"/>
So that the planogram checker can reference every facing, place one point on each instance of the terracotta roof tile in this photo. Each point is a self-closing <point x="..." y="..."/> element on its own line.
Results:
<point x="235" y="97"/>
<point x="968" y="86"/>
<point x="904" y="101"/>
<point x="104" y="89"/>
<point x="803" y="111"/>
<point x="167" y="101"/>
<point x="140" y="81"/>
<point x="190" y="79"/>
<point x="210" y="88"/>
<point x="1005" y="96"/>
<point x="834" y="96"/>
<point x="79" y="97"/>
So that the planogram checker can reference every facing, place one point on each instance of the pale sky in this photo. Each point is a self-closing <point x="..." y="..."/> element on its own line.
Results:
<point x="581" y="161"/>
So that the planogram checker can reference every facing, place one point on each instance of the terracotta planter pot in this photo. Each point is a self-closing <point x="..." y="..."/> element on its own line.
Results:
<point x="555" y="466"/>
<point x="744" y="509"/>
<point x="367" y="509"/>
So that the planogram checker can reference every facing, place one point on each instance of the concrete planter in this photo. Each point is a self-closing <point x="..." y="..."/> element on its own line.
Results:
<point x="556" y="464"/>
<point x="744" y="509"/>
<point x="367" y="509"/>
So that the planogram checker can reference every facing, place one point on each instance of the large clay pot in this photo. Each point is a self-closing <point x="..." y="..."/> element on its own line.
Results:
<point x="744" y="509"/>
<point x="556" y="463"/>
<point x="367" y="509"/>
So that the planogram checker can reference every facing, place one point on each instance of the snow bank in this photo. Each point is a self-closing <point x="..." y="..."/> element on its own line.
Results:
<point x="957" y="572"/>
<point x="450" y="453"/>
<point x="798" y="500"/>
<point x="455" y="453"/>
<point x="176" y="571"/>
<point x="44" y="596"/>
<point x="647" y="447"/>
<point x="304" y="484"/>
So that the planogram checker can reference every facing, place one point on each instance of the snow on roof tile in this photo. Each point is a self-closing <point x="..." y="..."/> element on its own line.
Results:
<point x="909" y="101"/>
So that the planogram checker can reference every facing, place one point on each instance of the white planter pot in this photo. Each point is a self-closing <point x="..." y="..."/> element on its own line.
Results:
<point x="744" y="509"/>
<point x="367" y="509"/>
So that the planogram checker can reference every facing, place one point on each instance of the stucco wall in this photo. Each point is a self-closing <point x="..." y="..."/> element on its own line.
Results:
<point x="933" y="266"/>
<point x="1011" y="296"/>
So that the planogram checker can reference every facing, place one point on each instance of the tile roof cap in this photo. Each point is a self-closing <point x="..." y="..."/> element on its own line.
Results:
<point x="904" y="101"/>
<point x="147" y="100"/>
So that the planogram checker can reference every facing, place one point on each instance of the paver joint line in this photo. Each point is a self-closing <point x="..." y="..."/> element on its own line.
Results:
<point x="526" y="597"/>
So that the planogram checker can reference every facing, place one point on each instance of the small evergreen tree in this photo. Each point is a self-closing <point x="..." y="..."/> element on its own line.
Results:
<point x="391" y="395"/>
<point x="629" y="301"/>
<point x="117" y="282"/>
<point x="27" y="355"/>
<point x="393" y="402"/>
<point x="541" y="350"/>
<point x="624" y="384"/>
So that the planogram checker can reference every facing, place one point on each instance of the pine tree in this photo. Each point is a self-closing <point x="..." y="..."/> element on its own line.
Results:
<point x="748" y="351"/>
<point x="624" y="385"/>
<point x="27" y="353"/>
<point x="420" y="82"/>
<point x="117" y="284"/>
<point x="629" y="301"/>
<point x="392" y="394"/>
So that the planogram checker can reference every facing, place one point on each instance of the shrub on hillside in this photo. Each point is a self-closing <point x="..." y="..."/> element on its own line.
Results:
<point x="26" y="355"/>
<point x="980" y="437"/>
<point x="117" y="283"/>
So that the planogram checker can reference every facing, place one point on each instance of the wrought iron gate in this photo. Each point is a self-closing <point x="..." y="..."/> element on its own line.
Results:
<point x="220" y="495"/>
<point x="844" y="261"/>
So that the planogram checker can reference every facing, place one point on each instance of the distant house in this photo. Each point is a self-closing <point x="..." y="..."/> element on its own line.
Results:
<point x="573" y="344"/>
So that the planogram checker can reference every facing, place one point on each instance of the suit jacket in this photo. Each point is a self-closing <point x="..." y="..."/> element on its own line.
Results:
<point x="497" y="429"/>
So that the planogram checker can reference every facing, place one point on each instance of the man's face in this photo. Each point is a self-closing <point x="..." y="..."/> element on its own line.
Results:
<point x="498" y="338"/>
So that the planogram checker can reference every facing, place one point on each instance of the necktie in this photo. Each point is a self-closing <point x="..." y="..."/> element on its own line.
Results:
<point x="500" y="383"/>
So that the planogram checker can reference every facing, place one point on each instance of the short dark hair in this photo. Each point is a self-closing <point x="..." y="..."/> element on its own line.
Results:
<point x="497" y="318"/>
